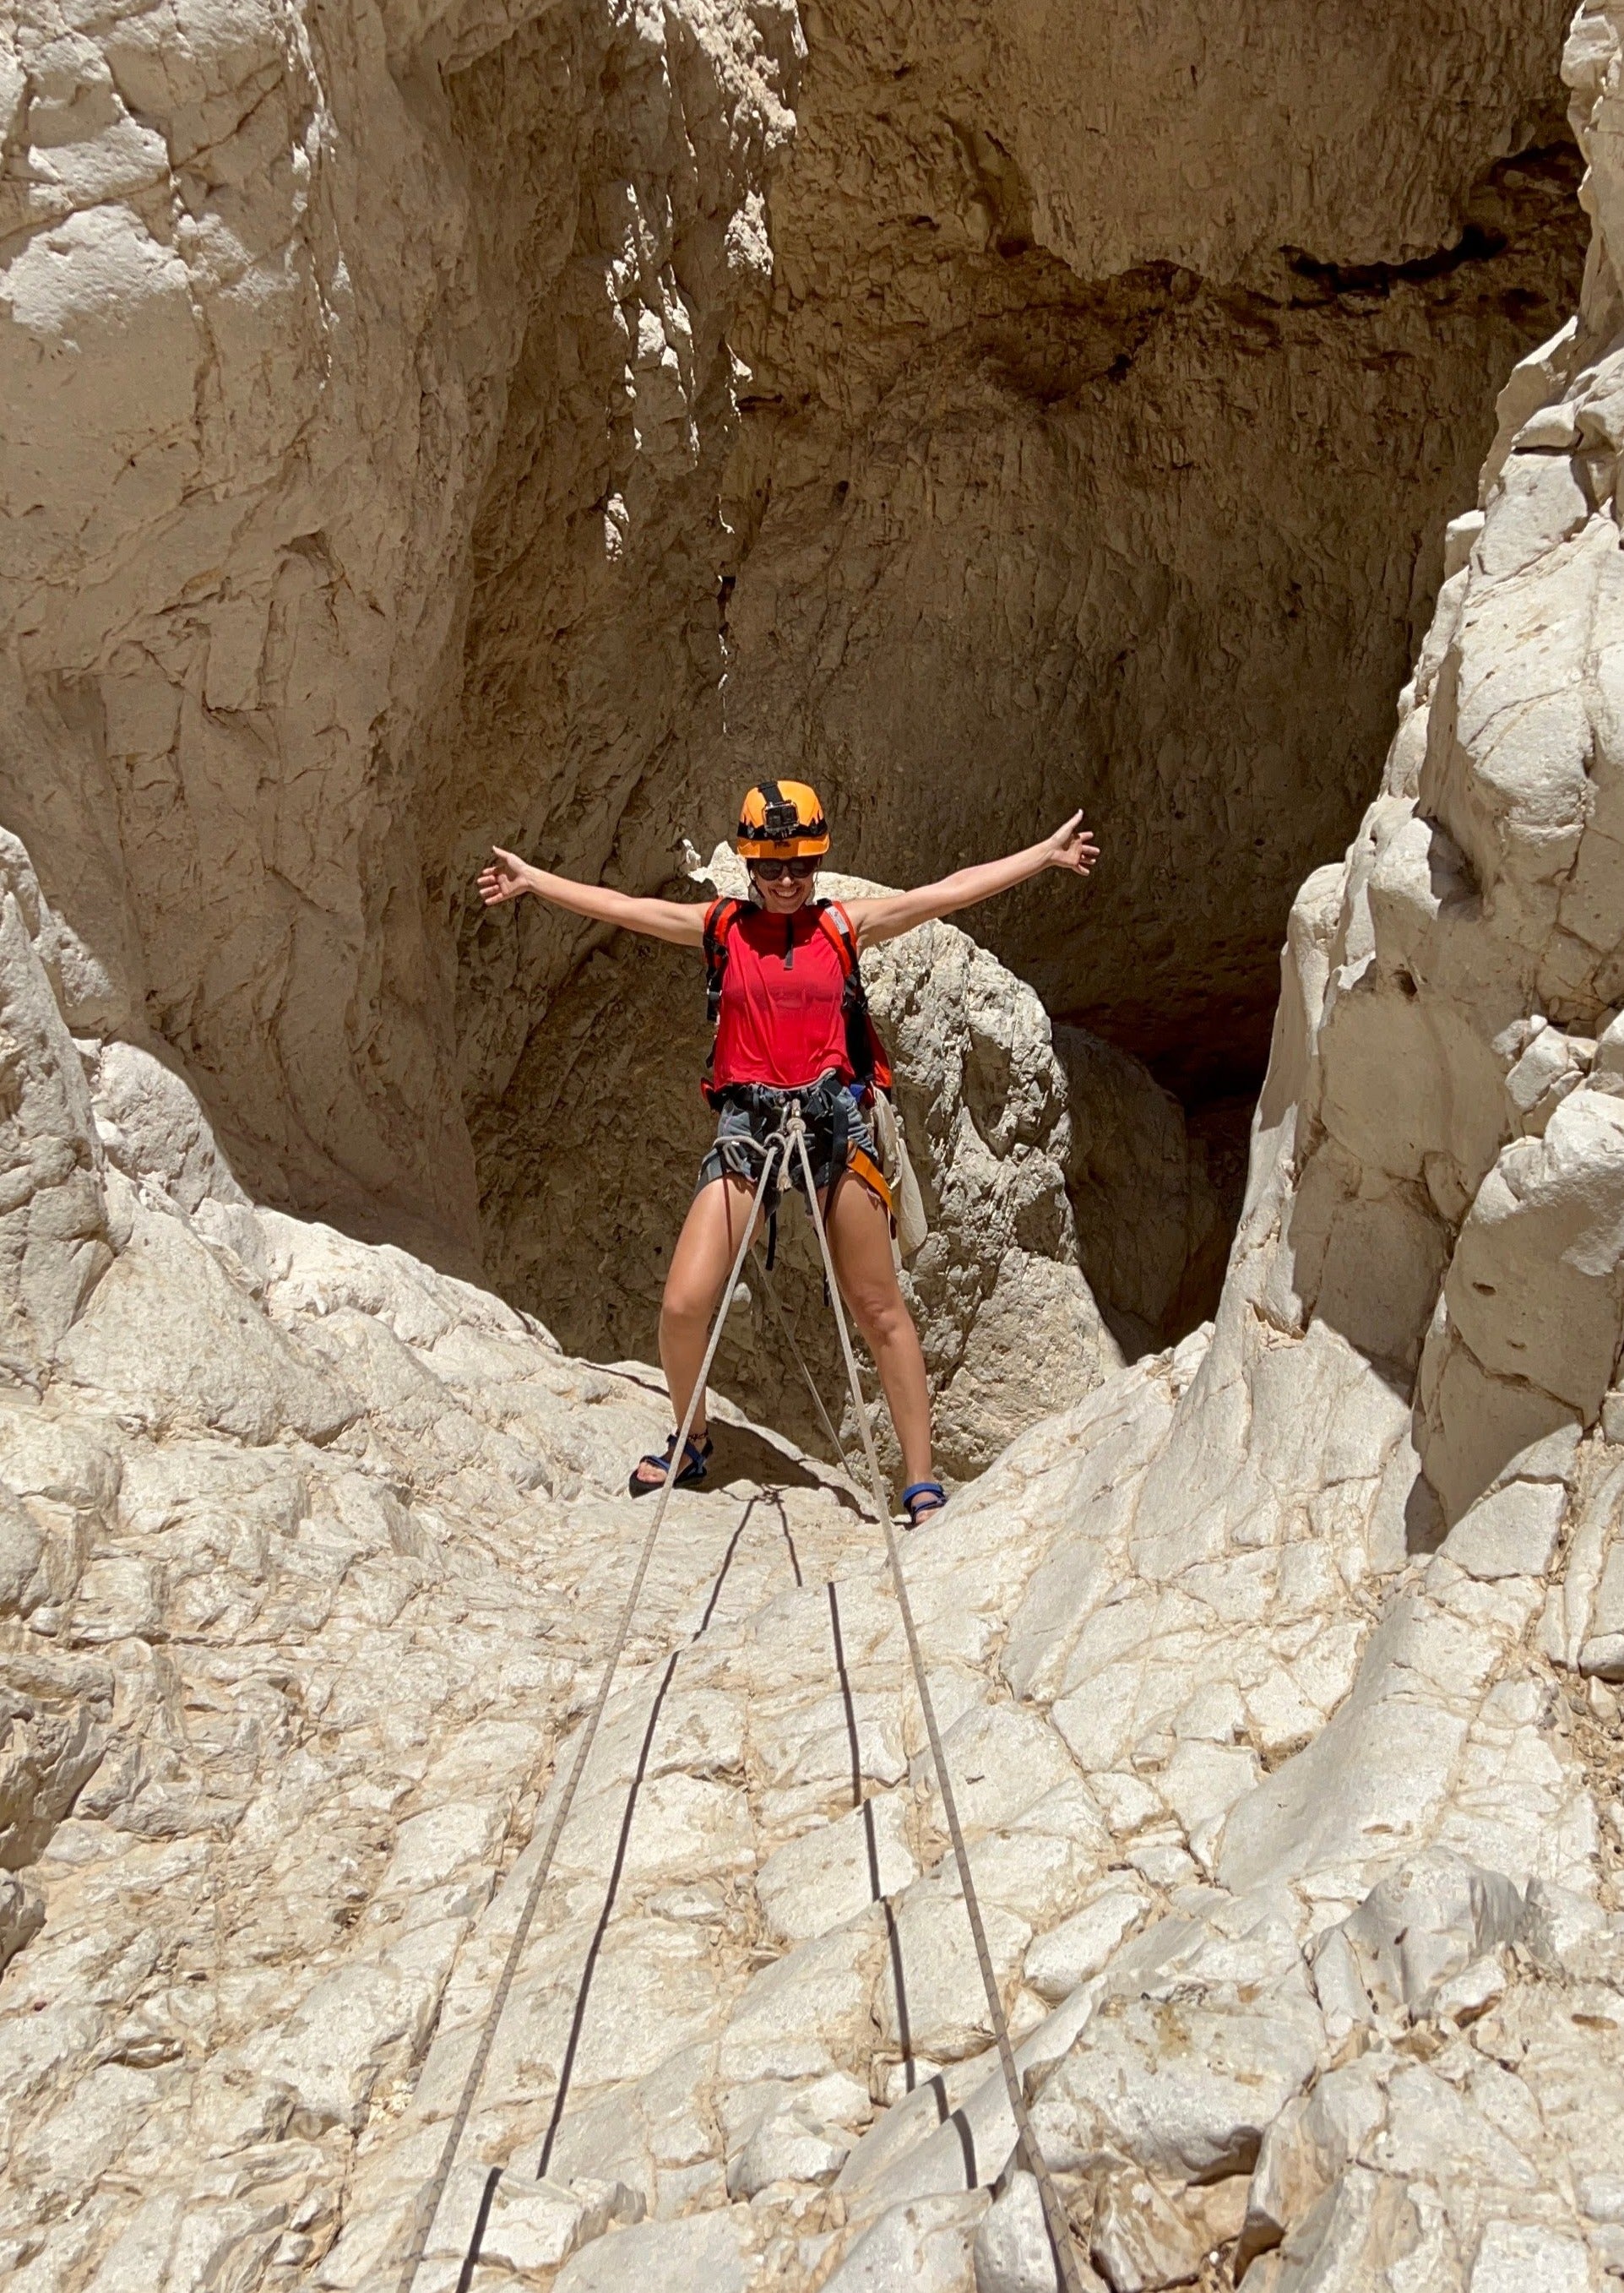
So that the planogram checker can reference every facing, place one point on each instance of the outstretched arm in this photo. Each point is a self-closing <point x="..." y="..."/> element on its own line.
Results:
<point x="682" y="922"/>
<point x="1071" y="847"/>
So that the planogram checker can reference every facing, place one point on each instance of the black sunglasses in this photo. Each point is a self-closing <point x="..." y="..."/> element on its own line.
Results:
<point x="770" y="870"/>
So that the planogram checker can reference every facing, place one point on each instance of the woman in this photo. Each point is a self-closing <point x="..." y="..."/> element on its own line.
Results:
<point x="783" y="1029"/>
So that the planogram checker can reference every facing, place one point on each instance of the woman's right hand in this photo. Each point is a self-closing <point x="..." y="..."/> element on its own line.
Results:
<point x="506" y="878"/>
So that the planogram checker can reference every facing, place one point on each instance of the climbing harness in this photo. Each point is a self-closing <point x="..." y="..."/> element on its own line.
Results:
<point x="789" y="1140"/>
<point x="752" y="1113"/>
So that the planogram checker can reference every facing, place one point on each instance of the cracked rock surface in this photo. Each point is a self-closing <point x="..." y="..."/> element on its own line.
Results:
<point x="1279" y="1672"/>
<point x="1290" y="1778"/>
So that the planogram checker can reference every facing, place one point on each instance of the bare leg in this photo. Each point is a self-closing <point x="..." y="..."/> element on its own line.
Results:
<point x="859" y="1240"/>
<point x="704" y="1250"/>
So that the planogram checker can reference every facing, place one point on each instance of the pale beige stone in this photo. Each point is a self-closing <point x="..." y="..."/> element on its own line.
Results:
<point x="1511" y="1533"/>
<point x="331" y="560"/>
<point x="708" y="2254"/>
<point x="818" y="1881"/>
<point x="1138" y="2241"/>
<point x="926" y="2242"/>
<point x="1079" y="1946"/>
<point x="1184" y="2090"/>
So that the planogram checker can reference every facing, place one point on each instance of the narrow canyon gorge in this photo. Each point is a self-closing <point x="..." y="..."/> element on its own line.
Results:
<point x="434" y="424"/>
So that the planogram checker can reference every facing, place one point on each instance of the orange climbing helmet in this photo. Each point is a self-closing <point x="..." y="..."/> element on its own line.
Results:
<point x="781" y="820"/>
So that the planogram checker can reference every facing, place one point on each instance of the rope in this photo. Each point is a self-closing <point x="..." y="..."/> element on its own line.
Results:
<point x="429" y="2202"/>
<point x="1053" y="2212"/>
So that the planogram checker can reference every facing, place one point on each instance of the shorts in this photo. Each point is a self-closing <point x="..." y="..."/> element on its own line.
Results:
<point x="743" y="1131"/>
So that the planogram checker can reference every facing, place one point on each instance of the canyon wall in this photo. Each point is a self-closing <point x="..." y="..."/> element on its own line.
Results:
<point x="439" y="423"/>
<point x="1141" y="510"/>
<point x="1279" y="1673"/>
<point x="265" y="356"/>
<point x="1125" y="366"/>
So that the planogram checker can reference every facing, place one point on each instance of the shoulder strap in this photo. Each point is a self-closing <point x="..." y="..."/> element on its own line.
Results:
<point x="865" y="1047"/>
<point x="720" y="917"/>
<point x="838" y="928"/>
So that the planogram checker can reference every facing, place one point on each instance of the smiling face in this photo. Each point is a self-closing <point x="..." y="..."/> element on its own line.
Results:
<point x="780" y="893"/>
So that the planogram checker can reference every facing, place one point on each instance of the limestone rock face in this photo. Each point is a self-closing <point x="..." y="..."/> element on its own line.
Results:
<point x="1278" y="1672"/>
<point x="1437" y="1154"/>
<point x="998" y="1288"/>
<point x="1018" y="513"/>
<point x="53" y="1223"/>
<point x="1064" y="308"/>
<point x="267" y="379"/>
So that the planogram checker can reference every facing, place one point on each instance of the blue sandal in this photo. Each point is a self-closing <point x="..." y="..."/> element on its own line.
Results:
<point x="698" y="1457"/>
<point x="921" y="1499"/>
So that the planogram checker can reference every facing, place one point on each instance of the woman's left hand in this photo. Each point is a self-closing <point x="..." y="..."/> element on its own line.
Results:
<point x="1073" y="846"/>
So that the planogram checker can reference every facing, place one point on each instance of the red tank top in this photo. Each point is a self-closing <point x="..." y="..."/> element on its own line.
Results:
<point x="782" y="1019"/>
